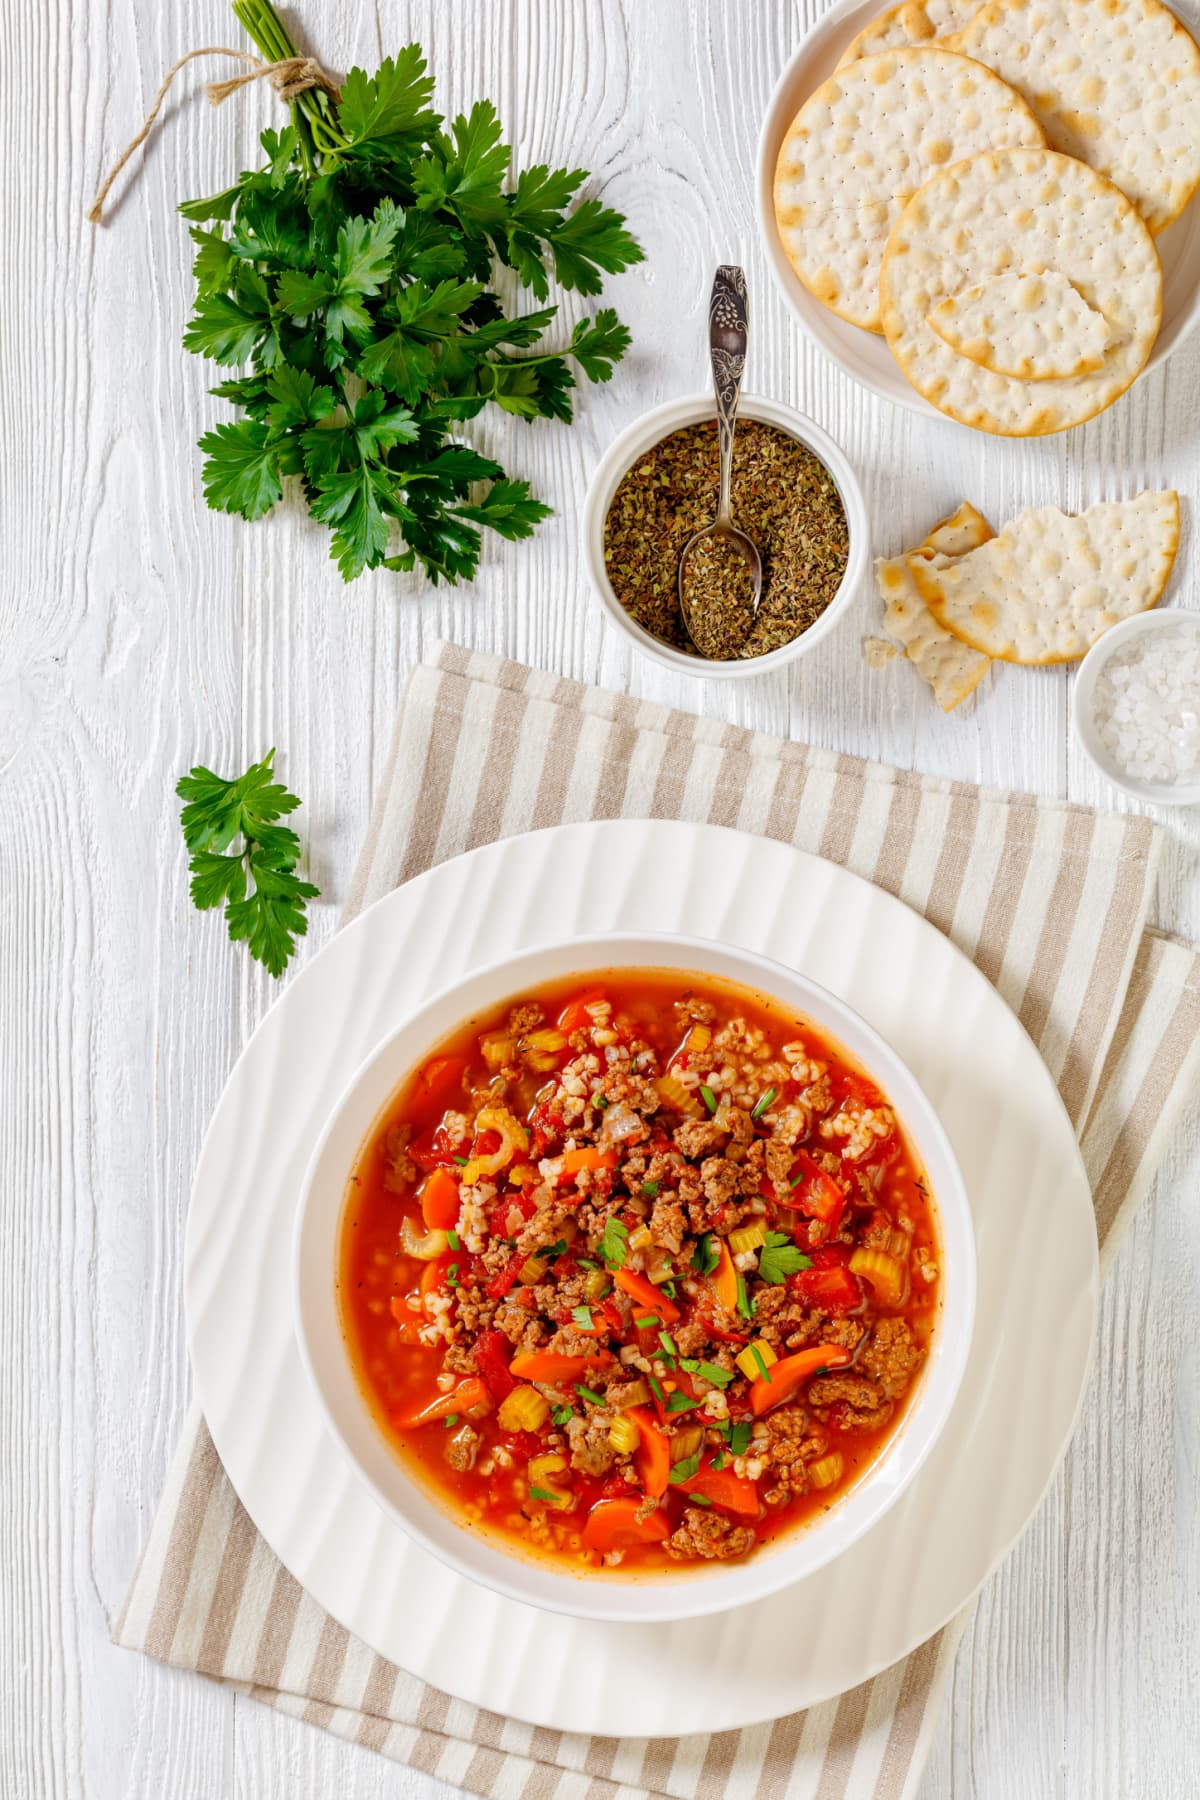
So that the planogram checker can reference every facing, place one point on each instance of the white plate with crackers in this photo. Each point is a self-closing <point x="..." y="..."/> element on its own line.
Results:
<point x="1023" y="292"/>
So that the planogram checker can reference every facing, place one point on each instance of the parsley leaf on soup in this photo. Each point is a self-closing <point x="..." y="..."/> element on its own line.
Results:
<point x="780" y="1258"/>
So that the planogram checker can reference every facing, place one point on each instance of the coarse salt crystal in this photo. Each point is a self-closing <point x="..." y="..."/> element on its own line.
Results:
<point x="1147" y="705"/>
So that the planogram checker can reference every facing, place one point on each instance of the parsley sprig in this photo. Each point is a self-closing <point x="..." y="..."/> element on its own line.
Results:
<point x="244" y="860"/>
<point x="350" y="280"/>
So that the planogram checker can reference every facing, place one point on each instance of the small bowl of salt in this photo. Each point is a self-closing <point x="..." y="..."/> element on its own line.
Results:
<point x="1137" y="706"/>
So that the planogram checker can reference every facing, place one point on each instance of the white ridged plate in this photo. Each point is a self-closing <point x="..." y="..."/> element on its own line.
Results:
<point x="1036" y="1304"/>
<point x="863" y="354"/>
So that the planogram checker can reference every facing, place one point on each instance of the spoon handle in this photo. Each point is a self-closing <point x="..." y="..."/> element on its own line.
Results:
<point x="727" y="326"/>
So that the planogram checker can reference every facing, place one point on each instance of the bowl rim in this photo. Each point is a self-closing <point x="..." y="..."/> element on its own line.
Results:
<point x="1156" y="793"/>
<point x="650" y="428"/>
<point x="820" y="326"/>
<point x="537" y="1582"/>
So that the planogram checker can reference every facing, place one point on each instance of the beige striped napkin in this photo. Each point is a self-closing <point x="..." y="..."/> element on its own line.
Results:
<point x="1051" y="902"/>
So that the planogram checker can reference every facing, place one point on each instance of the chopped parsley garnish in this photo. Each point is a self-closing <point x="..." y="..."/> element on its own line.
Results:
<point x="718" y="1461"/>
<point x="463" y="1160"/>
<point x="589" y="1394"/>
<point x="562" y="1415"/>
<point x="683" y="1471"/>
<point x="585" y="1262"/>
<point x="655" y="1386"/>
<point x="668" y="1343"/>
<point x="646" y="1323"/>
<point x="650" y="1189"/>
<point x="601" y="1101"/>
<point x="761" y="1360"/>
<point x="614" y="1245"/>
<point x="537" y="1493"/>
<point x="677" y="1403"/>
<point x="780" y="1258"/>
<point x="451" y="1419"/>
<point x="745" y="1304"/>
<point x="719" y="1377"/>
<point x="699" y="1500"/>
<point x="708" y="1097"/>
<point x="669" y="1289"/>
<point x="452" y="1275"/>
<point x="452" y="1238"/>
<point x="706" y="1255"/>
<point x="739" y="1438"/>
<point x="582" y="1316"/>
<point x="553" y="1250"/>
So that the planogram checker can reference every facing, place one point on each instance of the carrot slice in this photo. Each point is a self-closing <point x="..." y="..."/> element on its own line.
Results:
<point x="461" y="1399"/>
<point x="783" y="1378"/>
<point x="574" y="1160"/>
<point x="440" y="1201"/>
<point x="652" y="1458"/>
<point x="553" y="1367"/>
<point x="575" y="1016"/>
<point x="639" y="1288"/>
<point x="408" y="1322"/>
<point x="732" y="1493"/>
<point x="724" y="1278"/>
<point x="613" y="1522"/>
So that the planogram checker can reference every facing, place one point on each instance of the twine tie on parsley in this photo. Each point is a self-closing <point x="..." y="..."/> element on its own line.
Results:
<point x="290" y="76"/>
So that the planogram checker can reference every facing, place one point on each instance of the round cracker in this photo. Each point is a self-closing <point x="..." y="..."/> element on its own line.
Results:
<point x="1027" y="211"/>
<point x="862" y="144"/>
<point x="1114" y="82"/>
<point x="912" y="23"/>
<point x="1036" y="327"/>
<point x="1051" y="584"/>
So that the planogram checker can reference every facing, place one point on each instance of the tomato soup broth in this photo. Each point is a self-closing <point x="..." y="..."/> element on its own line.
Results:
<point x="637" y="1271"/>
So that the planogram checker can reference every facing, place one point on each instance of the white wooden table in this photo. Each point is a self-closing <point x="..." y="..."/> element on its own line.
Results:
<point x="143" y="633"/>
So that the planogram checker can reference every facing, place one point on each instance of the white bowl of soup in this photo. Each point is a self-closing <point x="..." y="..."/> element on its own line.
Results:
<point x="635" y="1276"/>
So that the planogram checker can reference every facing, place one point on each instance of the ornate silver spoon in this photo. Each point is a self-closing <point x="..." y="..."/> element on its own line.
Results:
<point x="727" y="333"/>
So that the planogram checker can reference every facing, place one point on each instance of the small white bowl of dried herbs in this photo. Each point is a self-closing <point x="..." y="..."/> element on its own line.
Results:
<point x="794" y="493"/>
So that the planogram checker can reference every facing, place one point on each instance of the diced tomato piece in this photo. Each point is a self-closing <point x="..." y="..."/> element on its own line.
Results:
<point x="433" y="1149"/>
<point x="492" y="1353"/>
<point x="834" y="1289"/>
<point x="831" y="1256"/>
<point x="575" y="1015"/>
<point x="732" y="1493"/>
<point x="498" y="1216"/>
<point x="789" y="1374"/>
<point x="500" y="1283"/>
<point x="816" y="1194"/>
<point x="615" y="1522"/>
<point x="485" y="1142"/>
<point x="858" y="1087"/>
<point x="439" y="1085"/>
<point x="641" y="1289"/>
<point x="652" y="1458"/>
<point x="440" y="1201"/>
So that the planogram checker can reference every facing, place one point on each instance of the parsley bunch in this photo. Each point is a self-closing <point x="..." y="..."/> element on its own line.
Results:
<point x="353" y="275"/>
<point x="254" y="878"/>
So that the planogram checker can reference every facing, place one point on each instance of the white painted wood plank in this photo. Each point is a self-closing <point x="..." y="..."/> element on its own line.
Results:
<point x="142" y="632"/>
